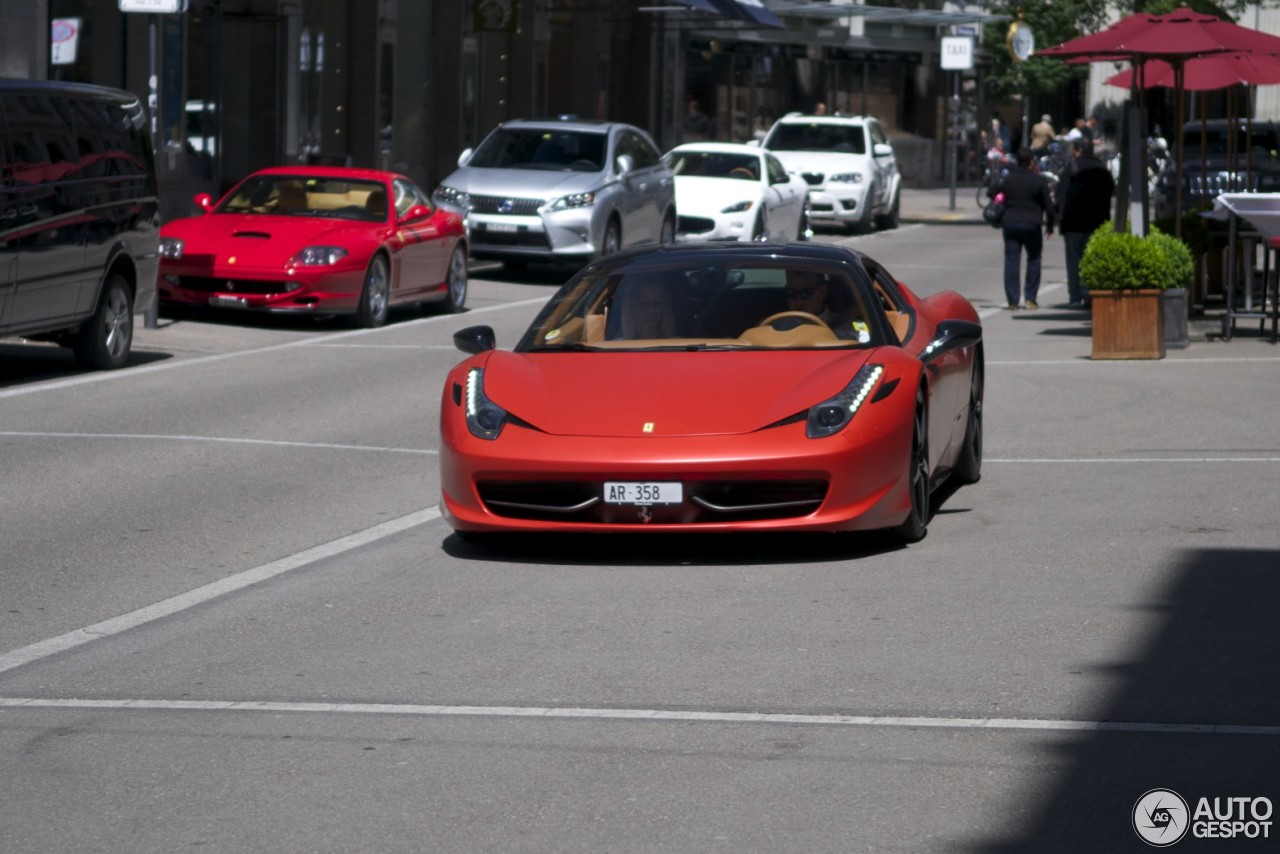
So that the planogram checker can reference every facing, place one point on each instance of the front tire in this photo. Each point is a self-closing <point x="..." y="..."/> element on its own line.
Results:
<point x="456" y="281"/>
<point x="894" y="216"/>
<point x="375" y="295"/>
<point x="104" y="341"/>
<point x="968" y="468"/>
<point x="611" y="242"/>
<point x="914" y="527"/>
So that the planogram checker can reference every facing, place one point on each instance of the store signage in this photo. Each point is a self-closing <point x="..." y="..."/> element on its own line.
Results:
<point x="154" y="7"/>
<point x="957" y="53"/>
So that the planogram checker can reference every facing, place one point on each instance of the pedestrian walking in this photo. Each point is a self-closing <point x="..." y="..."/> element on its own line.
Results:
<point x="1028" y="207"/>
<point x="1042" y="134"/>
<point x="1085" y="205"/>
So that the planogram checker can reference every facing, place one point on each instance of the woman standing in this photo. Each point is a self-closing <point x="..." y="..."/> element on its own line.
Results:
<point x="1028" y="204"/>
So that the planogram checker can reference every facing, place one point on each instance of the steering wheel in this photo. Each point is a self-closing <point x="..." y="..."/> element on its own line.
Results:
<point x="801" y="318"/>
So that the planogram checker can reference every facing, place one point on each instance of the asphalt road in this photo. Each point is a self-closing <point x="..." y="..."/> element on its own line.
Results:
<point x="231" y="618"/>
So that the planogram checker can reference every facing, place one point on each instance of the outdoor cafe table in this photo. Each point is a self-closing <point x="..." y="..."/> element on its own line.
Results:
<point x="1261" y="212"/>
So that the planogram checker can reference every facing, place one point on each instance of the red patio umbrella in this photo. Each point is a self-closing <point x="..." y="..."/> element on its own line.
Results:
<point x="1205" y="73"/>
<point x="1175" y="37"/>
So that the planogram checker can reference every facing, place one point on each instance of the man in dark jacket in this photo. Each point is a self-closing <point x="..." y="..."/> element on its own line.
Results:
<point x="1028" y="206"/>
<point x="1085" y="205"/>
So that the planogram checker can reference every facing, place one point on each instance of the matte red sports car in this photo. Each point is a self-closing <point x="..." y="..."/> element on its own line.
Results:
<point x="316" y="240"/>
<point x="708" y="388"/>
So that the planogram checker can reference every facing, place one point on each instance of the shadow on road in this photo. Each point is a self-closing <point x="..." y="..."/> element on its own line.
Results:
<point x="1211" y="660"/>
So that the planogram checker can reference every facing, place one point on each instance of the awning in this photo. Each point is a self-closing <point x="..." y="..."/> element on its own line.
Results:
<point x="749" y="11"/>
<point x="700" y="5"/>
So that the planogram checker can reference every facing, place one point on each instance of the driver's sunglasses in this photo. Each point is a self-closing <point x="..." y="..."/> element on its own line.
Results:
<point x="803" y="293"/>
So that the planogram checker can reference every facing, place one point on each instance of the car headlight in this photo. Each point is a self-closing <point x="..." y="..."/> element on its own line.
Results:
<point x="445" y="194"/>
<point x="485" y="418"/>
<point x="738" y="207"/>
<point x="831" y="416"/>
<point x="171" y="247"/>
<point x="846" y="178"/>
<point x="573" y="200"/>
<point x="318" y="256"/>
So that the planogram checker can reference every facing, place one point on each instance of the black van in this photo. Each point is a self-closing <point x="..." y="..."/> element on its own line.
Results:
<point x="79" y="217"/>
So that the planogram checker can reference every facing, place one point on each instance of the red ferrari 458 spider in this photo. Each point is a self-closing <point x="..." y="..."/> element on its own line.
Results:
<point x="751" y="387"/>
<point x="316" y="240"/>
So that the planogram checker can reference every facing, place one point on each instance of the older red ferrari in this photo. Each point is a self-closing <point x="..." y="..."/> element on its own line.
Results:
<point x="316" y="240"/>
<point x="717" y="388"/>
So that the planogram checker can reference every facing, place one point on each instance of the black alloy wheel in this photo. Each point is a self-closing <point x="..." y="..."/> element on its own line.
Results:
<point x="914" y="527"/>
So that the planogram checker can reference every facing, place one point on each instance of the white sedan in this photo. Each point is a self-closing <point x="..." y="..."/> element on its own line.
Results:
<point x="728" y="192"/>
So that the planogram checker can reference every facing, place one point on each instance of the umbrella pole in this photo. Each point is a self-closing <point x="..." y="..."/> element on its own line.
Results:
<point x="1179" y="82"/>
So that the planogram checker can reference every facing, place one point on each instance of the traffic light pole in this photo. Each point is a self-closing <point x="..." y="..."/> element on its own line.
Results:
<point x="955" y="134"/>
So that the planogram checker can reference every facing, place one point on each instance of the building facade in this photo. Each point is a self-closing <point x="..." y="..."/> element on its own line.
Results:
<point x="236" y="85"/>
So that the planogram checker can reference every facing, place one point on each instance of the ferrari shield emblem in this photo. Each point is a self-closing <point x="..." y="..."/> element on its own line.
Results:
<point x="648" y="427"/>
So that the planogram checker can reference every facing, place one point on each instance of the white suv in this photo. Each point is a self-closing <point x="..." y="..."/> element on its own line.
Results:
<point x="848" y="164"/>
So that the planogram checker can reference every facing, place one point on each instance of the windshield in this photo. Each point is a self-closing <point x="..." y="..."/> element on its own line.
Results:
<point x="714" y="164"/>
<point x="531" y="148"/>
<point x="294" y="195"/>
<point x="817" y="136"/>
<point x="757" y="304"/>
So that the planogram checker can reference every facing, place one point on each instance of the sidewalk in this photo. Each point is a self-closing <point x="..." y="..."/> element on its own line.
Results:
<point x="934" y="206"/>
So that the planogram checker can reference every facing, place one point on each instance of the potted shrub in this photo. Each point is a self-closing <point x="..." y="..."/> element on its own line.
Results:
<point x="1180" y="269"/>
<point x="1126" y="276"/>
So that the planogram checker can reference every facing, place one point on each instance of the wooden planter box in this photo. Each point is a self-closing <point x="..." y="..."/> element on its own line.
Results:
<point x="1127" y="324"/>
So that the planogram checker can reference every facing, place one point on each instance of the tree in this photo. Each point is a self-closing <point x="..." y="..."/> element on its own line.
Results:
<point x="1057" y="21"/>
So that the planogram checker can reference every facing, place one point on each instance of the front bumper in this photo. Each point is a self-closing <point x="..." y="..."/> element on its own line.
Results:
<point x="843" y="203"/>
<point x="567" y="234"/>
<point x="770" y="480"/>
<point x="331" y="291"/>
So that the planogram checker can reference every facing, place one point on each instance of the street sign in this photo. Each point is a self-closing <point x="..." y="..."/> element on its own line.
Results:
<point x="65" y="38"/>
<point x="154" y="7"/>
<point x="957" y="53"/>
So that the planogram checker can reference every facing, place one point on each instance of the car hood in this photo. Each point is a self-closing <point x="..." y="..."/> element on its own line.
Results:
<point x="260" y="238"/>
<point x="523" y="183"/>
<point x="709" y="196"/>
<point x="616" y="394"/>
<point x="823" y="161"/>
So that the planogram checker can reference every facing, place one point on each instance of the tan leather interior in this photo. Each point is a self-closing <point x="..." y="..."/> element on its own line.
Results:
<point x="900" y="322"/>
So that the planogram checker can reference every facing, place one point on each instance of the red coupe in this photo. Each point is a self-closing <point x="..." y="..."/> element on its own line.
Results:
<point x="751" y="387"/>
<point x="316" y="240"/>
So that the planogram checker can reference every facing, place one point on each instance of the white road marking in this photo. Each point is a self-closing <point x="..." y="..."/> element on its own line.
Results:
<point x="1138" y="363"/>
<point x="180" y="438"/>
<point x="200" y="595"/>
<point x="141" y="370"/>
<point x="579" y="713"/>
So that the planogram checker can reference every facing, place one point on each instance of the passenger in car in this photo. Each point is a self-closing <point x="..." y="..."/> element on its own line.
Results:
<point x="645" y="310"/>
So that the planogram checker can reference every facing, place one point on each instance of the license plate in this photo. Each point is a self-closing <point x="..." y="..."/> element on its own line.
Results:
<point x="228" y="302"/>
<point x="632" y="492"/>
<point x="500" y="226"/>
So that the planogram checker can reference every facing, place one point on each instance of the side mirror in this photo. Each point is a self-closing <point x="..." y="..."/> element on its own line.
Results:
<point x="465" y="156"/>
<point x="625" y="163"/>
<point x="952" y="335"/>
<point x="416" y="212"/>
<point x="204" y="201"/>
<point x="475" y="339"/>
<point x="882" y="149"/>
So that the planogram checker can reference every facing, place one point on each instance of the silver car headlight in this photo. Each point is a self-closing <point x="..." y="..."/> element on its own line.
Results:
<point x="846" y="178"/>
<point x="485" y="418"/>
<point x="831" y="416"/>
<point x="318" y="256"/>
<point x="738" y="207"/>
<point x="171" y="247"/>
<point x="573" y="200"/>
<point x="447" y="195"/>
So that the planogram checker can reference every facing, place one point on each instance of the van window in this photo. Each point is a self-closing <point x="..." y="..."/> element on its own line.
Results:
<point x="107" y="139"/>
<point x="40" y="138"/>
